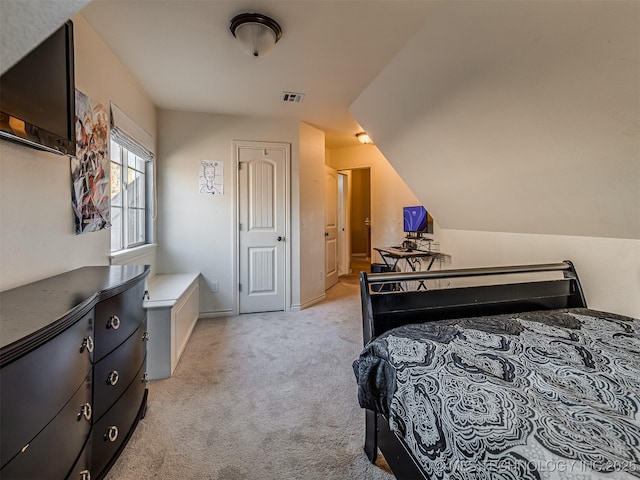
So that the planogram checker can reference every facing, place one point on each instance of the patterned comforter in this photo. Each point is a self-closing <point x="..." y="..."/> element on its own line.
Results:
<point x="538" y="395"/>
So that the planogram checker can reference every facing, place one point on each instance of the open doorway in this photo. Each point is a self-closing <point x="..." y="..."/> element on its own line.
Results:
<point x="354" y="220"/>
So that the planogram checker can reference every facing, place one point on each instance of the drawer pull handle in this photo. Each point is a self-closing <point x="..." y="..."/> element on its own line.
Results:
<point x="87" y="343"/>
<point x="112" y="434"/>
<point x="85" y="411"/>
<point x="113" y="377"/>
<point x="85" y="475"/>
<point x="145" y="377"/>
<point x="145" y="337"/>
<point x="113" y="322"/>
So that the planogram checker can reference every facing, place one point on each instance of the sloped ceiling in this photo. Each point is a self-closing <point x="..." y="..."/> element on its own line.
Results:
<point x="517" y="117"/>
<point x="24" y="24"/>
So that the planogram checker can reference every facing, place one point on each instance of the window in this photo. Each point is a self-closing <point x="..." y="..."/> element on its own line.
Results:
<point x="128" y="198"/>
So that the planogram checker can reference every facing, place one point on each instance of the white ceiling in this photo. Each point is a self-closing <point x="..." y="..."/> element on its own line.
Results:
<point x="183" y="54"/>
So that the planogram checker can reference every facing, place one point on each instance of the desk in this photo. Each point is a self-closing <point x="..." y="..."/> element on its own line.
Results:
<point x="392" y="256"/>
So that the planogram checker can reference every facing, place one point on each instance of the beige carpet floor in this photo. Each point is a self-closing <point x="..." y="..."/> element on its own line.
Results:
<point x="262" y="396"/>
<point x="358" y="264"/>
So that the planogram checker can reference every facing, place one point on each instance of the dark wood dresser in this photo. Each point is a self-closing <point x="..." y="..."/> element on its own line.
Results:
<point x="72" y="372"/>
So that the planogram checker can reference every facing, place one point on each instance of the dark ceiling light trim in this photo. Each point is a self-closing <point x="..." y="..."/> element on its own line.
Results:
<point x="363" y="137"/>
<point x="256" y="43"/>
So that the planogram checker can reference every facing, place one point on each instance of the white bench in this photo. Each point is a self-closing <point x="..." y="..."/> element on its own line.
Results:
<point x="172" y="311"/>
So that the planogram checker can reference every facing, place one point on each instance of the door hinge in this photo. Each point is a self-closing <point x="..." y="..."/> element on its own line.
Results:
<point x="240" y="227"/>
<point x="239" y="165"/>
<point x="239" y="287"/>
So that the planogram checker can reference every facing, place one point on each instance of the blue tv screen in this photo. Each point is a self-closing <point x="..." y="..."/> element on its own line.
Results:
<point x="417" y="220"/>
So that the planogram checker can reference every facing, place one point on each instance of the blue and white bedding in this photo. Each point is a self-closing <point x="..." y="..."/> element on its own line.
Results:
<point x="538" y="395"/>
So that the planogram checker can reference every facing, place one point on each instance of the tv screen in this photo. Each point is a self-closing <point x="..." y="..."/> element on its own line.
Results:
<point x="417" y="220"/>
<point x="37" y="95"/>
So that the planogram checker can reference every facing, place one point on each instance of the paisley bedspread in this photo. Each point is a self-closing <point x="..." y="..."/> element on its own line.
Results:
<point x="538" y="395"/>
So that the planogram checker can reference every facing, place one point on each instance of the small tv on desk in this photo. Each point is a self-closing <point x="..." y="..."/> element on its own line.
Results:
<point x="417" y="221"/>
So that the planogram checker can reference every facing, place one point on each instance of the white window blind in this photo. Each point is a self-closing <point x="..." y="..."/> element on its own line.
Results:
<point x="130" y="135"/>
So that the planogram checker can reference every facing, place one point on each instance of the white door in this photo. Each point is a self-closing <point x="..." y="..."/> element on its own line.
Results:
<point x="344" y="249"/>
<point x="262" y="216"/>
<point x="331" y="227"/>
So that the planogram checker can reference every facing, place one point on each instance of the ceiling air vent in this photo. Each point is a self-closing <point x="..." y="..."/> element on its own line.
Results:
<point x="292" y="97"/>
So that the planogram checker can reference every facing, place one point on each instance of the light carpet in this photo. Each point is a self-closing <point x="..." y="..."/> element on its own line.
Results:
<point x="260" y="396"/>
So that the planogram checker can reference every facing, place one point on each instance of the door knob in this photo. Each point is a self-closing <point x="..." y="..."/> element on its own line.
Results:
<point x="326" y="234"/>
<point x="280" y="238"/>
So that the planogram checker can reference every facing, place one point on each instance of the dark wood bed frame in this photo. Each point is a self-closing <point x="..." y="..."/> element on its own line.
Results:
<point x="386" y="305"/>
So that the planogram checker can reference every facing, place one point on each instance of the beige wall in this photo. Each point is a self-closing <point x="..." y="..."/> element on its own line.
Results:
<point x="196" y="233"/>
<point x="522" y="136"/>
<point x="389" y="192"/>
<point x="36" y="221"/>
<point x="527" y="123"/>
<point x="608" y="268"/>
<point x="311" y="262"/>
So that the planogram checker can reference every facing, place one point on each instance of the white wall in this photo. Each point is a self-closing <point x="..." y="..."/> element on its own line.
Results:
<point x="36" y="222"/>
<point x="389" y="193"/>
<point x="312" y="216"/>
<point x="517" y="116"/>
<point x="195" y="231"/>
<point x="609" y="269"/>
<point x="523" y="118"/>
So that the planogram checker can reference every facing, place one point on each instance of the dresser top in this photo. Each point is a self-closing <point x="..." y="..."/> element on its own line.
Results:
<point x="54" y="303"/>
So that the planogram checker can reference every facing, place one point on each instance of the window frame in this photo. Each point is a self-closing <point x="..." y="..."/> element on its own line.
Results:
<point x="124" y="204"/>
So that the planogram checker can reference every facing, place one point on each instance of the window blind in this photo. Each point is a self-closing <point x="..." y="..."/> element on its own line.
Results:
<point x="130" y="135"/>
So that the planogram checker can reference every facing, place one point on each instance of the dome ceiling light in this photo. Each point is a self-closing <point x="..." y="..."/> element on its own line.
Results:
<point x="257" y="33"/>
<point x="364" y="138"/>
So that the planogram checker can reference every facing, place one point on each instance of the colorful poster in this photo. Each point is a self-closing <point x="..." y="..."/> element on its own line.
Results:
<point x="90" y="167"/>
<point x="212" y="177"/>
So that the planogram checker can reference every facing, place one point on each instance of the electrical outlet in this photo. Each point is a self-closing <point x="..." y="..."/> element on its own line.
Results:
<point x="215" y="286"/>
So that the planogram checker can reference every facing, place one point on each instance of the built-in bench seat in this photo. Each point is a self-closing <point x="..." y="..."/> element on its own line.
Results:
<point x="172" y="311"/>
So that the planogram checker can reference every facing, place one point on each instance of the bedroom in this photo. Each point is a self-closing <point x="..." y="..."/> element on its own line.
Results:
<point x="36" y="238"/>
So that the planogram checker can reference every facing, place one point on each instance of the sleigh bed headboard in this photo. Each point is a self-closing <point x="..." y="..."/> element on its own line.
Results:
<point x="386" y="304"/>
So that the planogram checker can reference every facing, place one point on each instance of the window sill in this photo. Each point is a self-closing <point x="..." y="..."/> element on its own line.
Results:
<point x="131" y="254"/>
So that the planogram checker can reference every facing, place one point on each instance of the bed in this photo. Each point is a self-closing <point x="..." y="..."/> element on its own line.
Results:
<point x="497" y="373"/>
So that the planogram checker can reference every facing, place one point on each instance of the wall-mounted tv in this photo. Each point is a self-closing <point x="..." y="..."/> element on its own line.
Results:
<point x="37" y="96"/>
<point x="417" y="220"/>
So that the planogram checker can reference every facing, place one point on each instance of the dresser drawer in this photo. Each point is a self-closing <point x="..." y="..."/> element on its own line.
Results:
<point x="51" y="455"/>
<point x="110" y="432"/>
<point x="117" y="318"/>
<point x="81" y="470"/>
<point x="113" y="374"/>
<point x="35" y="387"/>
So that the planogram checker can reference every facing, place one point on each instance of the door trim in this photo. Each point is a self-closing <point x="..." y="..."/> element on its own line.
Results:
<point x="348" y="171"/>
<point x="331" y="200"/>
<point x="237" y="145"/>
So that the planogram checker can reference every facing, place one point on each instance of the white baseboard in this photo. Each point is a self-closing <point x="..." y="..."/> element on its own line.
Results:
<point x="308" y="304"/>
<point x="218" y="314"/>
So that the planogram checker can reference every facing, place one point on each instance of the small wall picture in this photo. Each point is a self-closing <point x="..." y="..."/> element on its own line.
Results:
<point x="212" y="177"/>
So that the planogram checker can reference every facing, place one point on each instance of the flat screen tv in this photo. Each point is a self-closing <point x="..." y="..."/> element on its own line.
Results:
<point x="417" y="220"/>
<point x="37" y="96"/>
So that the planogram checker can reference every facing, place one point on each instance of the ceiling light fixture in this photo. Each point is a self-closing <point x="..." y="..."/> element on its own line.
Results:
<point x="257" y="33"/>
<point x="363" y="138"/>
